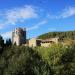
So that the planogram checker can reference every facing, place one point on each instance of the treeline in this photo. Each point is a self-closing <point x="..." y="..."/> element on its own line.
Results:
<point x="6" y="43"/>
<point x="61" y="35"/>
<point x="1" y="41"/>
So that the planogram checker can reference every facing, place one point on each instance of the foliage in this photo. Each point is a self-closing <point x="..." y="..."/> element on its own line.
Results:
<point x="61" y="35"/>
<point x="58" y="59"/>
<point x="1" y="41"/>
<point x="1" y="44"/>
<point x="22" y="61"/>
<point x="8" y="42"/>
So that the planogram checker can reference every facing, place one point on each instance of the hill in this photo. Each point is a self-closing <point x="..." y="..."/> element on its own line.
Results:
<point x="61" y="35"/>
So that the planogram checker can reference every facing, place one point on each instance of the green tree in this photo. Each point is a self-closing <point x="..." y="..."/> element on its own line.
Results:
<point x="1" y="41"/>
<point x="8" y="42"/>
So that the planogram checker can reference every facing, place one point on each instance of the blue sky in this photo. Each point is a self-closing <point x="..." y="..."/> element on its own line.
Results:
<point x="37" y="16"/>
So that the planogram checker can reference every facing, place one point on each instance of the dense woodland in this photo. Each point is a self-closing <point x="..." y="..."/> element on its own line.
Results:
<point x="61" y="35"/>
<point x="57" y="59"/>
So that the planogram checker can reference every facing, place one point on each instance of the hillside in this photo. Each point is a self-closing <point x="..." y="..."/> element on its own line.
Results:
<point x="61" y="35"/>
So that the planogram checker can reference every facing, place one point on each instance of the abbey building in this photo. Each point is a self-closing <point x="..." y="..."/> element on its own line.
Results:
<point x="19" y="38"/>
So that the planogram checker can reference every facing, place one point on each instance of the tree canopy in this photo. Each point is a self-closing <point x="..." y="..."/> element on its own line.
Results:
<point x="1" y="41"/>
<point x="61" y="35"/>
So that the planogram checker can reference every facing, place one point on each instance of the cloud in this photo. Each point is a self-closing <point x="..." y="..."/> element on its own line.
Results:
<point x="65" y="13"/>
<point x="17" y="14"/>
<point x="52" y="16"/>
<point x="12" y="16"/>
<point x="32" y="28"/>
<point x="68" y="12"/>
<point x="42" y="22"/>
<point x="7" y="35"/>
<point x="37" y="25"/>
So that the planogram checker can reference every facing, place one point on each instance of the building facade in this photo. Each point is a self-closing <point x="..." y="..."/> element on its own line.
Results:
<point x="44" y="43"/>
<point x="19" y="36"/>
<point x="34" y="42"/>
<point x="49" y="42"/>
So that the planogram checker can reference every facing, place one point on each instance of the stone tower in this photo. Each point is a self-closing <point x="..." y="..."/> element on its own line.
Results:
<point x="19" y="36"/>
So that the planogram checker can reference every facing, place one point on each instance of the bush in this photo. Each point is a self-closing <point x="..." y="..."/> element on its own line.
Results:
<point x="54" y="60"/>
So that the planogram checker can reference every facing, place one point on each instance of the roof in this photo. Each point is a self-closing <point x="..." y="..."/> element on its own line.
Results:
<point x="49" y="40"/>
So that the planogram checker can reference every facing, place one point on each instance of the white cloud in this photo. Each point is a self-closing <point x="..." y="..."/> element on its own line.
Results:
<point x="42" y="22"/>
<point x="52" y="16"/>
<point x="67" y="12"/>
<point x="20" y="14"/>
<point x="32" y="28"/>
<point x="37" y="25"/>
<point x="14" y="15"/>
<point x="7" y="35"/>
